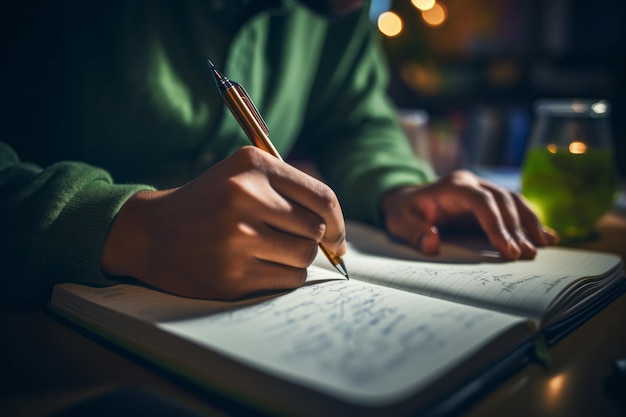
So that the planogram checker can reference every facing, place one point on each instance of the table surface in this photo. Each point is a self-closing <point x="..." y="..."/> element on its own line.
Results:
<point x="49" y="367"/>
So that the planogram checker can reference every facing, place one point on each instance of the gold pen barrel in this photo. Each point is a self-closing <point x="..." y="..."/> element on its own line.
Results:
<point x="332" y="258"/>
<point x="245" y="112"/>
<point x="240" y="105"/>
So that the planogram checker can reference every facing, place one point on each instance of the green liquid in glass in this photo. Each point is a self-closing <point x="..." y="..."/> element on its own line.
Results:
<point x="570" y="192"/>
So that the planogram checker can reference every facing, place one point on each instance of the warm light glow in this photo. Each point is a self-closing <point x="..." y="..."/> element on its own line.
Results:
<point x="503" y="72"/>
<point x="599" y="108"/>
<point x="554" y="390"/>
<point x="577" y="147"/>
<point x="435" y="16"/>
<point x="552" y="148"/>
<point x="555" y="385"/>
<point x="423" y="4"/>
<point x="578" y="106"/>
<point x="425" y="79"/>
<point x="390" y="24"/>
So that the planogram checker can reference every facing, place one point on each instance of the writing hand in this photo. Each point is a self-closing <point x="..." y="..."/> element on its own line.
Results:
<point x="414" y="214"/>
<point x="249" y="223"/>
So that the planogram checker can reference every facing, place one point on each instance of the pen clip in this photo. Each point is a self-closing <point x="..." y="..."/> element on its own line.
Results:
<point x="255" y="112"/>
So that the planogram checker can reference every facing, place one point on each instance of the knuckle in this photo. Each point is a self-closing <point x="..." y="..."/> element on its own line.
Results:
<point x="305" y="254"/>
<point x="482" y="197"/>
<point x="327" y="196"/>
<point x="247" y="153"/>
<point x="509" y="199"/>
<point x="503" y="196"/>
<point x="459" y="176"/>
<point x="315" y="230"/>
<point x="250" y="157"/>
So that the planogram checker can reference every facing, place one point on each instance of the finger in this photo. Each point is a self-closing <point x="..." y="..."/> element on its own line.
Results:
<point x="430" y="241"/>
<point x="539" y="233"/>
<point x="296" y="186"/>
<point x="299" y="221"/>
<point x="282" y="248"/>
<point x="316" y="197"/>
<point x="489" y="216"/>
<point x="256" y="275"/>
<point x="510" y="216"/>
<point x="272" y="276"/>
<point x="256" y="196"/>
<point x="415" y="231"/>
<point x="291" y="218"/>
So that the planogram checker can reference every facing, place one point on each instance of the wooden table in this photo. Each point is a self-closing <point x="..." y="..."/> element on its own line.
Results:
<point x="580" y="380"/>
<point x="49" y="367"/>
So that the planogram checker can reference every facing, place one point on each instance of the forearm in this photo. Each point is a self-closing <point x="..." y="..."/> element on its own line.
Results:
<point x="353" y="132"/>
<point x="54" y="223"/>
<point x="364" y="170"/>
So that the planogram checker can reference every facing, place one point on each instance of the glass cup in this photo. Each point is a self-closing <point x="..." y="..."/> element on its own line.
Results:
<point x="414" y="123"/>
<point x="569" y="174"/>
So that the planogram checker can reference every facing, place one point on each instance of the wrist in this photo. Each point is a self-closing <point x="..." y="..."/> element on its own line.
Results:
<point x="127" y="242"/>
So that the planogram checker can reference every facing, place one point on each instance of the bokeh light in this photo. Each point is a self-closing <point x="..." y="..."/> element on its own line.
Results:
<point x="423" y="4"/>
<point x="599" y="108"/>
<point x="390" y="24"/>
<point x="577" y="147"/>
<point x="436" y="15"/>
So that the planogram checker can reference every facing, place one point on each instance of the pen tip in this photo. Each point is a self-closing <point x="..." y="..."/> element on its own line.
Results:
<point x="341" y="267"/>
<point x="221" y="82"/>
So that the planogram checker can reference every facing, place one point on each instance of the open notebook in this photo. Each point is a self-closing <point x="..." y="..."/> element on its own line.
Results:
<point x="401" y="336"/>
<point x="556" y="290"/>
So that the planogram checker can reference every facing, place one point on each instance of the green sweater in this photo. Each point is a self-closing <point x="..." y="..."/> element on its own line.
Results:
<point x="123" y="87"/>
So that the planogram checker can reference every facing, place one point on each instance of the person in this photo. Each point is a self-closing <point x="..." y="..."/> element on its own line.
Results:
<point x="120" y="162"/>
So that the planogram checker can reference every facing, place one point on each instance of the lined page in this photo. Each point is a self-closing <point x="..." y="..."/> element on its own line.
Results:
<point x="523" y="287"/>
<point x="353" y="340"/>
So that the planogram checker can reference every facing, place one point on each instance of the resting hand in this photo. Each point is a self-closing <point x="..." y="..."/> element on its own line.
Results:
<point x="250" y="223"/>
<point x="414" y="214"/>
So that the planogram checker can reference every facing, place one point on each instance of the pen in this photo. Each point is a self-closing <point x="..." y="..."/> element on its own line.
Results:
<point x="241" y="106"/>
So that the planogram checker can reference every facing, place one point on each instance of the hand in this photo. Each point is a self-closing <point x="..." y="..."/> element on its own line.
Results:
<point x="249" y="223"/>
<point x="414" y="214"/>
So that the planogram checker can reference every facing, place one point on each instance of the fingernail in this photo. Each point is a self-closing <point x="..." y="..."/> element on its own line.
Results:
<point x="429" y="242"/>
<point x="513" y="248"/>
<point x="551" y="234"/>
<point x="529" y="250"/>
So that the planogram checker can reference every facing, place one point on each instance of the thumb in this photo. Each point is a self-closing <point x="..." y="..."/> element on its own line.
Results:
<point x="406" y="217"/>
<point x="418" y="234"/>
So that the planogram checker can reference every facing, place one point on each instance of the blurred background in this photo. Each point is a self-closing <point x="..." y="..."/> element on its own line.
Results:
<point x="470" y="70"/>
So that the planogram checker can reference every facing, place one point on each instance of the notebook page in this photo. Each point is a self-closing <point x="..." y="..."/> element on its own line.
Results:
<point x="352" y="340"/>
<point x="523" y="287"/>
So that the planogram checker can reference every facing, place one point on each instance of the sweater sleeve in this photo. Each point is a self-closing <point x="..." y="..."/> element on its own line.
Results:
<point x="54" y="223"/>
<point x="353" y="132"/>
